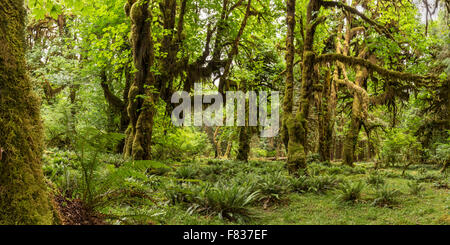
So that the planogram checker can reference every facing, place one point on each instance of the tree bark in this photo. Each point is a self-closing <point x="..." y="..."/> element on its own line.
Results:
<point x="23" y="193"/>
<point x="326" y="118"/>
<point x="244" y="144"/>
<point x="141" y="100"/>
<point x="297" y="125"/>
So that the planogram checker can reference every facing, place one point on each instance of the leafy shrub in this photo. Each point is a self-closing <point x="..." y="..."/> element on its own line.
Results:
<point x="262" y="152"/>
<point x="178" y="144"/>
<point x="416" y="188"/>
<point x="385" y="196"/>
<point x="375" y="179"/>
<point x="57" y="119"/>
<point x="64" y="177"/>
<point x="400" y="147"/>
<point x="249" y="179"/>
<point x="442" y="155"/>
<point x="350" y="192"/>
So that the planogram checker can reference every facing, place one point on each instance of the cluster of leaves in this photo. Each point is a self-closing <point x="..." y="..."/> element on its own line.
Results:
<point x="401" y="147"/>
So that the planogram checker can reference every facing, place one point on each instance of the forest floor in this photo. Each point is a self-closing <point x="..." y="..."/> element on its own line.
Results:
<point x="231" y="192"/>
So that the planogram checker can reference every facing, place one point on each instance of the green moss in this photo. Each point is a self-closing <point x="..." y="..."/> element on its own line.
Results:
<point x="296" y="150"/>
<point x="23" y="192"/>
<point x="244" y="144"/>
<point x="135" y="13"/>
<point x="354" y="61"/>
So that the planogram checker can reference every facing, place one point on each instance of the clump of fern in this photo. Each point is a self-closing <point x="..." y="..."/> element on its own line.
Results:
<point x="273" y="186"/>
<point x="375" y="179"/>
<point x="385" y="196"/>
<point x="350" y="192"/>
<point x="416" y="188"/>
<point x="300" y="184"/>
<point x="186" y="172"/>
<point x="323" y="183"/>
<point x="229" y="202"/>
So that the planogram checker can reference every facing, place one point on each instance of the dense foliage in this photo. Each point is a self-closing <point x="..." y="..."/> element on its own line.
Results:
<point x="364" y="121"/>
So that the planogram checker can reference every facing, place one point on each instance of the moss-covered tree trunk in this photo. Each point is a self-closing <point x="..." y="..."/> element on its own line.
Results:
<point x="244" y="144"/>
<point x="117" y="105"/>
<point x="297" y="125"/>
<point x="326" y="118"/>
<point x="141" y="104"/>
<point x="351" y="138"/>
<point x="23" y="192"/>
<point x="210" y="133"/>
<point x="288" y="100"/>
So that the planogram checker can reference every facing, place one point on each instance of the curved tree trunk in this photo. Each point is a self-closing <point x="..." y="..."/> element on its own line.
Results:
<point x="23" y="195"/>
<point x="351" y="138"/>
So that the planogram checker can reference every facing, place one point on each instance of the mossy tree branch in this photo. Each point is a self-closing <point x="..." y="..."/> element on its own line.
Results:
<point x="354" y="61"/>
<point x="379" y="28"/>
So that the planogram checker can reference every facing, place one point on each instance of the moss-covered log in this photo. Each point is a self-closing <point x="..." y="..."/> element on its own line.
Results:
<point x="23" y="192"/>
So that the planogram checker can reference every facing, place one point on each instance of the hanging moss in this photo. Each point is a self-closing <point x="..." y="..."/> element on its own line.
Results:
<point x="23" y="192"/>
<point x="141" y="101"/>
<point x="354" y="61"/>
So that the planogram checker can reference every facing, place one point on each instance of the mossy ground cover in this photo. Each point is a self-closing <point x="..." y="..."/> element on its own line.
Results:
<point x="231" y="192"/>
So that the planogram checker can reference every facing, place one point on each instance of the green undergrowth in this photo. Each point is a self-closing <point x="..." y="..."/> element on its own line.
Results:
<point x="209" y="191"/>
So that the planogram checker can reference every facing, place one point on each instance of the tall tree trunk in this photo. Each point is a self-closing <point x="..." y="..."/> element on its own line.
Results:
<point x="217" y="143"/>
<point x="210" y="134"/>
<point x="297" y="125"/>
<point x="228" y="150"/>
<point x="351" y="139"/>
<point x="141" y="104"/>
<point x="288" y="101"/>
<point x="23" y="195"/>
<point x="244" y="132"/>
<point x="244" y="143"/>
<point x="118" y="105"/>
<point x="326" y="118"/>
